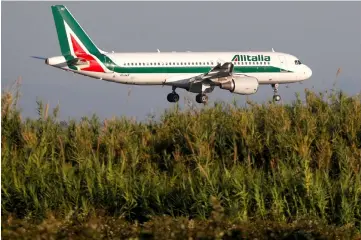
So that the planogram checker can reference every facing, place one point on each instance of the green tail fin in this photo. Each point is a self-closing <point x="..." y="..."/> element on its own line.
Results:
<point x="69" y="29"/>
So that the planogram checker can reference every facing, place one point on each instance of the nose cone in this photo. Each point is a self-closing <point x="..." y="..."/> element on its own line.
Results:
<point x="307" y="72"/>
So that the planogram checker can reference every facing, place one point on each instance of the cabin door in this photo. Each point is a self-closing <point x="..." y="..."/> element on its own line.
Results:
<point x="283" y="63"/>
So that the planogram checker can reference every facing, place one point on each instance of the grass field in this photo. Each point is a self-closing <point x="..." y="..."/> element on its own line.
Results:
<point x="253" y="171"/>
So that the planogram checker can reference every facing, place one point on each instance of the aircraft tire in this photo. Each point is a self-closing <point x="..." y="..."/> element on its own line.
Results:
<point x="173" y="97"/>
<point x="201" y="98"/>
<point x="276" y="98"/>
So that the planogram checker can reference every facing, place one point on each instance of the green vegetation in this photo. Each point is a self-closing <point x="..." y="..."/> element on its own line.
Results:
<point x="270" y="166"/>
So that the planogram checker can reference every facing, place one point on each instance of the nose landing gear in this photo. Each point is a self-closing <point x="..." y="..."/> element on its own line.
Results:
<point x="276" y="97"/>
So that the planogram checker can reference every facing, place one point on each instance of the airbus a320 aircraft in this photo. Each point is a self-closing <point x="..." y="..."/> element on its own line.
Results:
<point x="197" y="72"/>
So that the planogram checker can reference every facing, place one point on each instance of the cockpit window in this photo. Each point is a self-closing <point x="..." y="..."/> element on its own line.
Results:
<point x="298" y="62"/>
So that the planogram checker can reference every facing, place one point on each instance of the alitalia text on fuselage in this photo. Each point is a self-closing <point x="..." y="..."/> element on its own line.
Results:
<point x="244" y="58"/>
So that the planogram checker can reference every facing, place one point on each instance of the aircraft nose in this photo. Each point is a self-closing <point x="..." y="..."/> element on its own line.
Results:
<point x="308" y="72"/>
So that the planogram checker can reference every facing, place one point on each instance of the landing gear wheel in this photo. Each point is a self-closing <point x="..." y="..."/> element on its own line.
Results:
<point x="202" y="98"/>
<point x="276" y="98"/>
<point x="173" y="97"/>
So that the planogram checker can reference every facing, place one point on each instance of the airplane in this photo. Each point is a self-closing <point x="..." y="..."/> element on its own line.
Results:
<point x="197" y="72"/>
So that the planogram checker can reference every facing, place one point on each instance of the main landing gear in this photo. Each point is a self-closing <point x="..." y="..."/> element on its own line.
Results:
<point x="202" y="98"/>
<point x="173" y="96"/>
<point x="276" y="97"/>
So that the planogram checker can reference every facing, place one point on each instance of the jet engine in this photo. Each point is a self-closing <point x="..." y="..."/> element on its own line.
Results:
<point x="241" y="85"/>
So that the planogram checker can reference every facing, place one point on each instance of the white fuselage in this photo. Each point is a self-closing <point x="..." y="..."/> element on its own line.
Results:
<point x="174" y="68"/>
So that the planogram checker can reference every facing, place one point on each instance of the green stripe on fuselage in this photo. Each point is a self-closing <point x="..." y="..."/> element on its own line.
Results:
<point x="196" y="69"/>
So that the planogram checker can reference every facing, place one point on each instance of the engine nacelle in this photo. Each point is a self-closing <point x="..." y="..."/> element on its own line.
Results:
<point x="241" y="85"/>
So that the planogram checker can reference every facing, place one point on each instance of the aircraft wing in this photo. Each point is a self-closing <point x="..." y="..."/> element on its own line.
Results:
<point x="221" y="70"/>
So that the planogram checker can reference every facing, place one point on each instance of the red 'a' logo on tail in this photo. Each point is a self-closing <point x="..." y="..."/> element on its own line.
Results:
<point x="79" y="52"/>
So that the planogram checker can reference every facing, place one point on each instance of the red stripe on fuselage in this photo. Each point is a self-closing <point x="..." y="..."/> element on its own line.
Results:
<point x="94" y="66"/>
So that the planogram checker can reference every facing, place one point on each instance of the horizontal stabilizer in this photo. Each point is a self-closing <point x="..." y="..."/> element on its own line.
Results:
<point x="41" y="58"/>
<point x="77" y="61"/>
<point x="60" y="61"/>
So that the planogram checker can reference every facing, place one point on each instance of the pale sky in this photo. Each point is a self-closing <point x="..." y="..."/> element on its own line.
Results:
<point x="323" y="35"/>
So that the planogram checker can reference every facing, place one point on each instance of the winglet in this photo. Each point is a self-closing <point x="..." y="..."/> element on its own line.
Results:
<point x="273" y="50"/>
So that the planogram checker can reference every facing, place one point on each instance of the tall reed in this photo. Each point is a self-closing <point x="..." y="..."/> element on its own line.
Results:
<point x="262" y="161"/>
